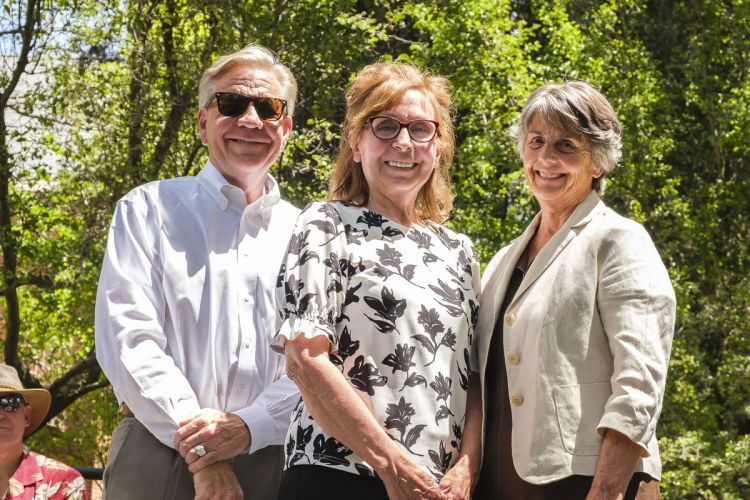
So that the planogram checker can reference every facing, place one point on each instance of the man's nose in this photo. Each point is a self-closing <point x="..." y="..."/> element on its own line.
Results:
<point x="250" y="117"/>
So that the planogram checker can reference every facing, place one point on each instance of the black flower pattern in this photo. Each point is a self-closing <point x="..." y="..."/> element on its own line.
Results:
<point x="399" y="418"/>
<point x="388" y="308"/>
<point x="452" y="299"/>
<point x="442" y="386"/>
<point x="330" y="451"/>
<point x="401" y="360"/>
<point x="400" y="308"/>
<point x="390" y="257"/>
<point x="295" y="299"/>
<point x="372" y="219"/>
<point x="347" y="347"/>
<point x="441" y="460"/>
<point x="297" y="245"/>
<point x="366" y="376"/>
<point x="430" y="321"/>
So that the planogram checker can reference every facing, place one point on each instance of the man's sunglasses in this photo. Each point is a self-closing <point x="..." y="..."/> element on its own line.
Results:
<point x="11" y="402"/>
<point x="234" y="105"/>
<point x="387" y="128"/>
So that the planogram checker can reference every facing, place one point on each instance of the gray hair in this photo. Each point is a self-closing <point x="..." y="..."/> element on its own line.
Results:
<point x="260" y="58"/>
<point x="577" y="108"/>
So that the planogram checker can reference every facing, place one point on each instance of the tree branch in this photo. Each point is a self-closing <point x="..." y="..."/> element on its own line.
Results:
<point x="82" y="368"/>
<point x="40" y="281"/>
<point x="178" y="97"/>
<point x="7" y="238"/>
<point x="197" y="145"/>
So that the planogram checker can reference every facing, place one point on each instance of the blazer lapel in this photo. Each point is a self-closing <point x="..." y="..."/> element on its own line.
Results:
<point x="580" y="217"/>
<point x="505" y="270"/>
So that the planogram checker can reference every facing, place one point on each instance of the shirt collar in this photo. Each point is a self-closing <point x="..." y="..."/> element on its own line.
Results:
<point x="225" y="194"/>
<point x="28" y="471"/>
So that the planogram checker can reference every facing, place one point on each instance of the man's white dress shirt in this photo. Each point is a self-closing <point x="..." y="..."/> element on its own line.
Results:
<point x="186" y="306"/>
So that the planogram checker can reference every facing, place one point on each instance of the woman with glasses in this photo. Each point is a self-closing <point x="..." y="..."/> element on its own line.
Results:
<point x="576" y="321"/>
<point x="381" y="302"/>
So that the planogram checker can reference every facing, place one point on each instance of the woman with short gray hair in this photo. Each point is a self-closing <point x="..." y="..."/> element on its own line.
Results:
<point x="576" y="321"/>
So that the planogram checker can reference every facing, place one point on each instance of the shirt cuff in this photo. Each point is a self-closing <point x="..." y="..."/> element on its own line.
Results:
<point x="310" y="327"/>
<point x="261" y="425"/>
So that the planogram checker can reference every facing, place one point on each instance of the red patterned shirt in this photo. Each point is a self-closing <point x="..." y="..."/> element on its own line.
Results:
<point x="39" y="478"/>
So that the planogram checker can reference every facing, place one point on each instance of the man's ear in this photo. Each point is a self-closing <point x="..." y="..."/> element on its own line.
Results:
<point x="287" y="124"/>
<point x="27" y="414"/>
<point x="202" y="120"/>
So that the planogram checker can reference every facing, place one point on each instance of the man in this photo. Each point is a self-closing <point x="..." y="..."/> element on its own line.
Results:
<point x="186" y="304"/>
<point x="23" y="473"/>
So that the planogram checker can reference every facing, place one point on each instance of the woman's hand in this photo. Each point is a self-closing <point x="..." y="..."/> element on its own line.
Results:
<point x="342" y="413"/>
<point x="614" y="467"/>
<point x="404" y="480"/>
<point x="456" y="483"/>
<point x="459" y="480"/>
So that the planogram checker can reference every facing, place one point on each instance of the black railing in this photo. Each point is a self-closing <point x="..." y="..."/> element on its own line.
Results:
<point x="91" y="473"/>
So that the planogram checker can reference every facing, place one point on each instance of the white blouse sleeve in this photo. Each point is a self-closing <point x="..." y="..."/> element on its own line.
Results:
<point x="314" y="277"/>
<point x="468" y="260"/>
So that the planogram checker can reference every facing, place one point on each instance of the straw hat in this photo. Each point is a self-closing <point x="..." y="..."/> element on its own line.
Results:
<point x="38" y="399"/>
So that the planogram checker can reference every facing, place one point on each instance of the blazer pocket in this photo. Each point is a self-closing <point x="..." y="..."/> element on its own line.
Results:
<point x="579" y="409"/>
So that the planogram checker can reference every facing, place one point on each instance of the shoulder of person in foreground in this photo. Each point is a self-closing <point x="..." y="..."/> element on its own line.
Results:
<point x="53" y="479"/>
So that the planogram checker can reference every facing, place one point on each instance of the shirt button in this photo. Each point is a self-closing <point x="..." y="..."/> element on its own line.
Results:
<point x="246" y="299"/>
<point x="510" y="319"/>
<point x="513" y="358"/>
<point x="247" y="345"/>
<point x="516" y="400"/>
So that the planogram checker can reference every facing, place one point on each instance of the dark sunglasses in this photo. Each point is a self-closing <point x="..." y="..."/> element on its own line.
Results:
<point x="11" y="402"/>
<point x="387" y="128"/>
<point x="234" y="105"/>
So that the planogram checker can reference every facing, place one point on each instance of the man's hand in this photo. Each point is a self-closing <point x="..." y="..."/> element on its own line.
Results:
<point x="223" y="435"/>
<point x="217" y="482"/>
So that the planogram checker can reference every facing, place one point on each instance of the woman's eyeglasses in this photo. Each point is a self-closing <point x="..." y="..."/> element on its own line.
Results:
<point x="234" y="105"/>
<point x="11" y="402"/>
<point x="387" y="128"/>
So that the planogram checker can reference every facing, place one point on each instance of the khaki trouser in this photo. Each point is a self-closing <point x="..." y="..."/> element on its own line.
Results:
<point x="139" y="467"/>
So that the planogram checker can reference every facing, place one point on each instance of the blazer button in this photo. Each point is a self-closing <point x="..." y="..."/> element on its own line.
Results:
<point x="516" y="400"/>
<point x="510" y="319"/>
<point x="513" y="358"/>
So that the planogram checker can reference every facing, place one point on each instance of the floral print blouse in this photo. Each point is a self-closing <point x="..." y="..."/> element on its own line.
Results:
<point x="399" y="306"/>
<point x="39" y="477"/>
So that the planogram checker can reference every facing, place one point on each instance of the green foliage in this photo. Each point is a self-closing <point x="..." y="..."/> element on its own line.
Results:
<point x="115" y="106"/>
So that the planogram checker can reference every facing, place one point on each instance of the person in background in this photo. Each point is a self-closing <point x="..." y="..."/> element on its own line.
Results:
<point x="186" y="305"/>
<point x="576" y="321"/>
<point x="23" y="473"/>
<point x="381" y="302"/>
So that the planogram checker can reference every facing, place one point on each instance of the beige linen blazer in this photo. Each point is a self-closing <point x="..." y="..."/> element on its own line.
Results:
<point x="586" y="342"/>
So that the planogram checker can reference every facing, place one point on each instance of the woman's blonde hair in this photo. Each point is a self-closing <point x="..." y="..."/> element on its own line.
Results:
<point x="379" y="87"/>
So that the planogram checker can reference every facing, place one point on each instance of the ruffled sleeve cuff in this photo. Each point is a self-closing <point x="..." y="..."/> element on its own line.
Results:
<point x="294" y="326"/>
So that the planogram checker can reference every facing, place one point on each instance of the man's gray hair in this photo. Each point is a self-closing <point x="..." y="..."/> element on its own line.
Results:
<point x="577" y="108"/>
<point x="260" y="58"/>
